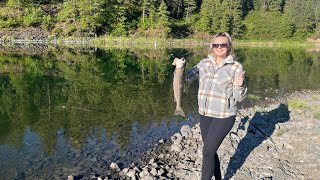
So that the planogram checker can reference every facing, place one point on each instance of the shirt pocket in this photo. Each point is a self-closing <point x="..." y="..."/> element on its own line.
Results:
<point x="224" y="80"/>
<point x="204" y="74"/>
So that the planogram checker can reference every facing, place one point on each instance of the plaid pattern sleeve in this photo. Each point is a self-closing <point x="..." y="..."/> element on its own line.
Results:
<point x="192" y="74"/>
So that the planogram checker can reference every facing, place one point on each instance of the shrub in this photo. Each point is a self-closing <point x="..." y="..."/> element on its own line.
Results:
<point x="254" y="97"/>
<point x="296" y="104"/>
<point x="33" y="16"/>
<point x="48" y="22"/>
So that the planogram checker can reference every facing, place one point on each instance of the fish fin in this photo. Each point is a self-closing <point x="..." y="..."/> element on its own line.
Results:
<point x="179" y="112"/>
<point x="184" y="88"/>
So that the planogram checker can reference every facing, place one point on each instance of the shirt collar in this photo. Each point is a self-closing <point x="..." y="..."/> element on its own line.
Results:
<point x="228" y="60"/>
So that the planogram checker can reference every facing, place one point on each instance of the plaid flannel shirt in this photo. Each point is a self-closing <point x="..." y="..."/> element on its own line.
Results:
<point x="217" y="94"/>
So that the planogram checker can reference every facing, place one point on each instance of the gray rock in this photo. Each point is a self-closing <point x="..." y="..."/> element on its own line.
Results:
<point x="176" y="148"/>
<point x="176" y="138"/>
<point x="131" y="173"/>
<point x="114" y="166"/>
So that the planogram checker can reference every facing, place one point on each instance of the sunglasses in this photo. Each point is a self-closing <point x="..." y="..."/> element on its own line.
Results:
<point x="224" y="45"/>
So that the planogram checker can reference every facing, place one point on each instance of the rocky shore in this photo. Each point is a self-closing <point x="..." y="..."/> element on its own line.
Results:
<point x="279" y="140"/>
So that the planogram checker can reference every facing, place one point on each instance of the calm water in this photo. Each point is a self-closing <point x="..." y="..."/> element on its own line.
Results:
<point x="74" y="111"/>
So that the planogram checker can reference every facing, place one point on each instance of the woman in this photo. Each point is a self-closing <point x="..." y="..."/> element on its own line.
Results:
<point x="221" y="86"/>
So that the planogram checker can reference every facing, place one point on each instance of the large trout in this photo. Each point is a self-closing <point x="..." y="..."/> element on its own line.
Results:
<point x="178" y="84"/>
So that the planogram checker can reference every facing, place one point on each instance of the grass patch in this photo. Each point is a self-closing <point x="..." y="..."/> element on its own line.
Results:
<point x="296" y="104"/>
<point x="315" y="107"/>
<point x="254" y="97"/>
<point x="317" y="115"/>
<point x="281" y="132"/>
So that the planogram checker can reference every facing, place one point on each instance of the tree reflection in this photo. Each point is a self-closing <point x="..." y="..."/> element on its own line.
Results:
<point x="112" y="89"/>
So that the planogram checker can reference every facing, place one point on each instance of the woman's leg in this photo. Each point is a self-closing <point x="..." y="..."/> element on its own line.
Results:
<point x="213" y="131"/>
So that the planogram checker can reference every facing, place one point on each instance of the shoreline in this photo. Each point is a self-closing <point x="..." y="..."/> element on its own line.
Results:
<point x="280" y="140"/>
<point x="152" y="42"/>
<point x="36" y="35"/>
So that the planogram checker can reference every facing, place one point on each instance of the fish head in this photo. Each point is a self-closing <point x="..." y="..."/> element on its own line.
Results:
<point x="179" y="62"/>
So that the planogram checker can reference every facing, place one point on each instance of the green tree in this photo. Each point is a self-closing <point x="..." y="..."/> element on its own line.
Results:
<point x="145" y="5"/>
<point x="236" y="22"/>
<point x="190" y="7"/>
<point x="148" y="16"/>
<point x="176" y="8"/>
<point x="276" y="5"/>
<point x="231" y="19"/>
<point x="163" y="19"/>
<point x="90" y="12"/>
<point x="226" y="17"/>
<point x="210" y="16"/>
<point x="303" y="14"/>
<point x="16" y="3"/>
<point x="267" y="25"/>
<point x="152" y="13"/>
<point x="246" y="6"/>
<point x="119" y="25"/>
<point x="69" y="12"/>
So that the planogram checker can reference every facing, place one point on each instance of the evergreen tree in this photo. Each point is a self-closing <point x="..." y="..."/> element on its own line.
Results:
<point x="163" y="19"/>
<point x="120" y="19"/>
<point x="145" y="5"/>
<point x="216" y="16"/>
<point x="226" y="16"/>
<point x="211" y="15"/>
<point x="246" y="6"/>
<point x="303" y="15"/>
<point x="176" y="8"/>
<point x="90" y="12"/>
<point x="152" y="14"/>
<point x="205" y="16"/>
<point x="236" y="24"/>
<point x="148" y="13"/>
<point x="69" y="12"/>
<point x="162" y="15"/>
<point x="190" y="7"/>
<point x="276" y="5"/>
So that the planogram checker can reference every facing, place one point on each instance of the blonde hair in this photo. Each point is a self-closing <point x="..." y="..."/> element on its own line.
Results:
<point x="230" y="50"/>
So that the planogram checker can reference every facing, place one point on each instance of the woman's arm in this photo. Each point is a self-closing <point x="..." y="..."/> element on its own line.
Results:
<point x="192" y="74"/>
<point x="240" y="87"/>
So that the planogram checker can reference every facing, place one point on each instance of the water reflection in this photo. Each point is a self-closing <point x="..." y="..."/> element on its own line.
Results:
<point x="74" y="111"/>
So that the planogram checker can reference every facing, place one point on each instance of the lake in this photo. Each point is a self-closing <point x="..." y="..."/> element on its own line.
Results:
<point x="74" y="110"/>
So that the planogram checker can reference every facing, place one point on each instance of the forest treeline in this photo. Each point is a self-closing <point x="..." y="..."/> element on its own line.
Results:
<point x="243" y="19"/>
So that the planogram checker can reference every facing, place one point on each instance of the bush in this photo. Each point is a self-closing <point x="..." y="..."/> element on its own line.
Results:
<point x="33" y="16"/>
<point x="9" y="23"/>
<point x="48" y="22"/>
<point x="296" y="104"/>
<point x="9" y="17"/>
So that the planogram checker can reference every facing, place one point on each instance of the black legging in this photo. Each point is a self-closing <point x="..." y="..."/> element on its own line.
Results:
<point x="213" y="131"/>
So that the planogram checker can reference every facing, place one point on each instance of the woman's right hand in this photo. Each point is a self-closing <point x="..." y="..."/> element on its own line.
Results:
<point x="179" y="62"/>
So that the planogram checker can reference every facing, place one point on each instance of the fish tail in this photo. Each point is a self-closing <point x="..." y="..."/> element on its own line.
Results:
<point x="179" y="112"/>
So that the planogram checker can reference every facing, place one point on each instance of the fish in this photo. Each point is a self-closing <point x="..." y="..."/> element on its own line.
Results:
<point x="178" y="84"/>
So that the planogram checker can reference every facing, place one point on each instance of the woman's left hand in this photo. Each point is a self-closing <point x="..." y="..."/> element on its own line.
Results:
<point x="239" y="80"/>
